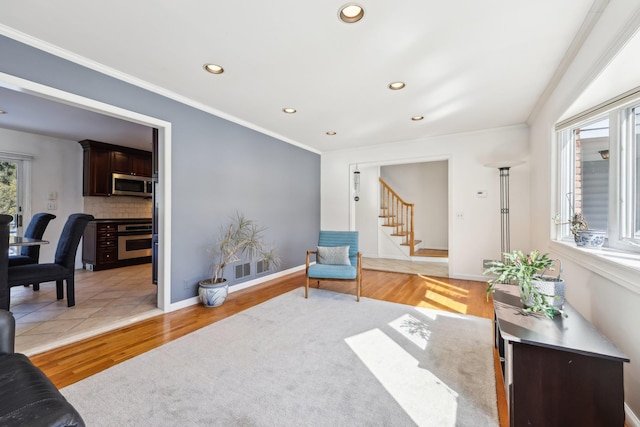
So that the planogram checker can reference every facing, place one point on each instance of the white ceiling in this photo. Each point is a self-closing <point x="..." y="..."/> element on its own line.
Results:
<point x="467" y="64"/>
<point x="29" y="113"/>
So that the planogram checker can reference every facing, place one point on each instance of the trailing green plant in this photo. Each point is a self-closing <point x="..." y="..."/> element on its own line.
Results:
<point x="522" y="269"/>
<point x="241" y="237"/>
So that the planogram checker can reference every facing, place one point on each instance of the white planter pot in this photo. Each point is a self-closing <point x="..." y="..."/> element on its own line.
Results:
<point x="212" y="294"/>
<point x="590" y="238"/>
<point x="551" y="288"/>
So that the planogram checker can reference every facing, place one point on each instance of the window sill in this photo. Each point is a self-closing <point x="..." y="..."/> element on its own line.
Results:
<point x="623" y="268"/>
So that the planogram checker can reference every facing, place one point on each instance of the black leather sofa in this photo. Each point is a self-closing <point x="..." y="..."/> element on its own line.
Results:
<point x="27" y="397"/>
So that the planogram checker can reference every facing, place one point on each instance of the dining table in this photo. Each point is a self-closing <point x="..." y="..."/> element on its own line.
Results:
<point x="25" y="241"/>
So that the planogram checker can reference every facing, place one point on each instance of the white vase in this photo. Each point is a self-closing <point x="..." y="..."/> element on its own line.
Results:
<point x="590" y="238"/>
<point x="213" y="294"/>
<point x="550" y="287"/>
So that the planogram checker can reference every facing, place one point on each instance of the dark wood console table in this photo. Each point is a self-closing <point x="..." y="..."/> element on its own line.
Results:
<point x="559" y="372"/>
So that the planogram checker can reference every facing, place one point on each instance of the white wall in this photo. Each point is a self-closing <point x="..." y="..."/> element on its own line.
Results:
<point x="612" y="308"/>
<point x="56" y="166"/>
<point x="475" y="236"/>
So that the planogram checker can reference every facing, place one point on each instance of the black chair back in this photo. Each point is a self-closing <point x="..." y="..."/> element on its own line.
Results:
<point x="35" y="230"/>
<point x="4" y="259"/>
<point x="70" y="239"/>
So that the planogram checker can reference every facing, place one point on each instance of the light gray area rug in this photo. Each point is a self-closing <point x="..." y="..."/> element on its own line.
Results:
<point x="323" y="361"/>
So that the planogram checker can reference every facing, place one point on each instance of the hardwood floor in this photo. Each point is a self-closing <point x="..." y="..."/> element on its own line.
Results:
<point x="71" y="363"/>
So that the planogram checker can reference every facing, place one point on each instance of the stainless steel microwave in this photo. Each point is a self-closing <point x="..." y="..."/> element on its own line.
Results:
<point x="131" y="185"/>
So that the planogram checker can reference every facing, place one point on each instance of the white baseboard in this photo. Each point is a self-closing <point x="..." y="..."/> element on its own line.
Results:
<point x="234" y="288"/>
<point x="631" y="419"/>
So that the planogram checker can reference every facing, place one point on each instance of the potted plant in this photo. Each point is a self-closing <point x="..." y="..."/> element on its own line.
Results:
<point x="540" y="293"/>
<point x="239" y="238"/>
<point x="582" y="234"/>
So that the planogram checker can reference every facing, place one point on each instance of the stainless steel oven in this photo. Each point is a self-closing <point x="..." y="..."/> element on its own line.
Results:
<point x="134" y="241"/>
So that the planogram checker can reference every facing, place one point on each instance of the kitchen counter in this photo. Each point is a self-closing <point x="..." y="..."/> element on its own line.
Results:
<point x="121" y="220"/>
<point x="116" y="242"/>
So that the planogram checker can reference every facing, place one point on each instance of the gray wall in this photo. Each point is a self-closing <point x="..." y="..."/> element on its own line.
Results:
<point x="218" y="167"/>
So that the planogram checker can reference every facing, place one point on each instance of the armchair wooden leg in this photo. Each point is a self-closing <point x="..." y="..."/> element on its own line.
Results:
<point x="358" y="288"/>
<point x="306" y="288"/>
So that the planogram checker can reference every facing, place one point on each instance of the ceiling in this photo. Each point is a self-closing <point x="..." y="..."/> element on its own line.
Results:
<point x="29" y="113"/>
<point x="467" y="64"/>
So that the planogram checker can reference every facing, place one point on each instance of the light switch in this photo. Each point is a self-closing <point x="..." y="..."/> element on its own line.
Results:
<point x="53" y="195"/>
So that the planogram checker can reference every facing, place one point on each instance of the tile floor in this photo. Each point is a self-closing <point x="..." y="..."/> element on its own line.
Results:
<point x="104" y="300"/>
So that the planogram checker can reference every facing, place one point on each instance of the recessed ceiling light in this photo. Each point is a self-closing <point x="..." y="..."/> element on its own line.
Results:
<point x="213" y="68"/>
<point x="331" y="133"/>
<point x="351" y="12"/>
<point x="289" y="110"/>
<point x="417" y="118"/>
<point x="396" y="85"/>
<point x="3" y="112"/>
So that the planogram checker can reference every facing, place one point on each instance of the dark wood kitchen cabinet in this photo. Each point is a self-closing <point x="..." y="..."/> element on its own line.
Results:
<point x="131" y="163"/>
<point x="100" y="160"/>
<point x="96" y="176"/>
<point x="100" y="246"/>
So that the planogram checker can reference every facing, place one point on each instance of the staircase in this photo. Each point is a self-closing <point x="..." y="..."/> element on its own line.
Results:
<point x="396" y="219"/>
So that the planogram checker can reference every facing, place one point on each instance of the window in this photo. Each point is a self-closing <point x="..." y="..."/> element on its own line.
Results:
<point x="599" y="172"/>
<point x="14" y="189"/>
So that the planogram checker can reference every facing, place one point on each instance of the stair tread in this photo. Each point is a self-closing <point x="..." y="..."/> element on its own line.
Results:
<point x="415" y="242"/>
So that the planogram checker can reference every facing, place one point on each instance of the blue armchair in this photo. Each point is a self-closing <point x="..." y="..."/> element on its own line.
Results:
<point x="337" y="258"/>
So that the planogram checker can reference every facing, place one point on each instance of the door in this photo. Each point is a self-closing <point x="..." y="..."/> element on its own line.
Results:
<point x="11" y="194"/>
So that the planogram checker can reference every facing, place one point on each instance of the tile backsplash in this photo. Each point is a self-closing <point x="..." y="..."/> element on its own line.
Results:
<point x="117" y="207"/>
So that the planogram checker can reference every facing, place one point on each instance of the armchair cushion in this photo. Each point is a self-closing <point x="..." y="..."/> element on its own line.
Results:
<point x="333" y="255"/>
<point x="29" y="398"/>
<point x="328" y="271"/>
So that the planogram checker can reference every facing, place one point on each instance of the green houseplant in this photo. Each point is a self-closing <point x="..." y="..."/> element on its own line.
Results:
<point x="241" y="237"/>
<point x="540" y="293"/>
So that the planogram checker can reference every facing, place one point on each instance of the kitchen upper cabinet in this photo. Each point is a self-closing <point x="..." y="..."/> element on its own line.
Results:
<point x="96" y="175"/>
<point x="100" y="160"/>
<point x="131" y="163"/>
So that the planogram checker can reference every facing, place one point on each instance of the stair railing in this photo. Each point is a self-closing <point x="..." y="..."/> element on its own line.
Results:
<point x="398" y="214"/>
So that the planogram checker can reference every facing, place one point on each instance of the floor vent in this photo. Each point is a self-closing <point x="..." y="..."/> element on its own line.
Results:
<point x="243" y="270"/>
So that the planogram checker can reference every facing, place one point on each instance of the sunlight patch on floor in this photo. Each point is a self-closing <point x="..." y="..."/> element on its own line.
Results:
<point x="425" y="398"/>
<point x="412" y="329"/>
<point x="442" y="300"/>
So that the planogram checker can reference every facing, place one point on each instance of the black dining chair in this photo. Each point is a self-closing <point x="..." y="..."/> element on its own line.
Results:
<point x="35" y="230"/>
<point x="5" y="220"/>
<point x="62" y="269"/>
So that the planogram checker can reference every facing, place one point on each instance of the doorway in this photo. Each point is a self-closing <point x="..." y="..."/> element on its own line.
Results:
<point x="162" y="199"/>
<point x="424" y="183"/>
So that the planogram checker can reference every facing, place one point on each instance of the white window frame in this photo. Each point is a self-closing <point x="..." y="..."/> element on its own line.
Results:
<point x="620" y="259"/>
<point x="23" y="184"/>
